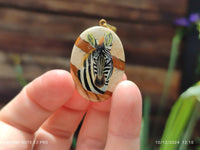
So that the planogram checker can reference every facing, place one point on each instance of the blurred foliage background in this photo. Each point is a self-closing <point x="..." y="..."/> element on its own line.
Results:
<point x="37" y="36"/>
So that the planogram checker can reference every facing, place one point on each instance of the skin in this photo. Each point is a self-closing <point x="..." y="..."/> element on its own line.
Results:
<point x="50" y="109"/>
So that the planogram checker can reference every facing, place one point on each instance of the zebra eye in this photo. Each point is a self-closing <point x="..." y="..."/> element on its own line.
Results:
<point x="97" y="63"/>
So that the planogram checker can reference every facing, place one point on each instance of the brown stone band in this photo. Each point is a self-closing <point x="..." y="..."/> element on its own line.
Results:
<point x="83" y="45"/>
<point x="118" y="63"/>
<point x="86" y="47"/>
<point x="90" y="95"/>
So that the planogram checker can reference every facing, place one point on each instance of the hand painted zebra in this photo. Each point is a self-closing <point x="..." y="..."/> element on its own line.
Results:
<point x="98" y="66"/>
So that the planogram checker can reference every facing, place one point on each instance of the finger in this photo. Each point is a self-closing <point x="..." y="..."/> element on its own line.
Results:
<point x="58" y="129"/>
<point x="34" y="104"/>
<point x="93" y="132"/>
<point x="125" y="118"/>
<point x="124" y="77"/>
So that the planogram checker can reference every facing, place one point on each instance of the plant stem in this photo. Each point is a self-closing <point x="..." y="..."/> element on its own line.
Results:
<point x="172" y="64"/>
<point x="171" y="67"/>
<point x="145" y="124"/>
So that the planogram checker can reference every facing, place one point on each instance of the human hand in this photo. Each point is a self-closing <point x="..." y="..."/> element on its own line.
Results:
<point x="50" y="109"/>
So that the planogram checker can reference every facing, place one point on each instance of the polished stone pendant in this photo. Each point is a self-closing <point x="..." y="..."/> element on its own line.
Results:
<point x="97" y="62"/>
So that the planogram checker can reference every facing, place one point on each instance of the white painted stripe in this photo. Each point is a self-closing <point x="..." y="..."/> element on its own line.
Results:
<point x="89" y="79"/>
<point x="82" y="77"/>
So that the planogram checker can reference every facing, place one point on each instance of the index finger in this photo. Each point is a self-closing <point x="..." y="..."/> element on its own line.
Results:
<point x="34" y="104"/>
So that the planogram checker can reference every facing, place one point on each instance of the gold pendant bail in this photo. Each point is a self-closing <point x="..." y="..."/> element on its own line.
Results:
<point x="103" y="23"/>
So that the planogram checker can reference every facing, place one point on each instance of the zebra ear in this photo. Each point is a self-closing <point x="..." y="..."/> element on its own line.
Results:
<point x="108" y="39"/>
<point x="92" y="40"/>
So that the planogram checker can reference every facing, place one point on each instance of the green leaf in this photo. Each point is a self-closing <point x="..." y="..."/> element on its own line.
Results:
<point x="18" y="69"/>
<point x="145" y="125"/>
<point x="181" y="119"/>
<point x="19" y="75"/>
<point x="193" y="91"/>
<point x="191" y="124"/>
<point x="74" y="141"/>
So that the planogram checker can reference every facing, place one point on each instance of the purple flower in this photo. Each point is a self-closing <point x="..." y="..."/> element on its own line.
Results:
<point x="195" y="17"/>
<point x="182" y="22"/>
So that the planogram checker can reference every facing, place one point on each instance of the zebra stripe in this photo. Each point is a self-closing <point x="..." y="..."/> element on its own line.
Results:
<point x="86" y="79"/>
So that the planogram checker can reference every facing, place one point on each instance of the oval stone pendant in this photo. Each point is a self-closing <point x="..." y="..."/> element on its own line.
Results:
<point x="97" y="63"/>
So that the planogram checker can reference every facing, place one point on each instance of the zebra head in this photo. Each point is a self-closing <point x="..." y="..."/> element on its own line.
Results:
<point x="101" y="58"/>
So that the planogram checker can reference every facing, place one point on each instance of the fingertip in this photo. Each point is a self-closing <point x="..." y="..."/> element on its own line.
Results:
<point x="127" y="94"/>
<point x="52" y="89"/>
<point x="126" y="109"/>
<point x="128" y="88"/>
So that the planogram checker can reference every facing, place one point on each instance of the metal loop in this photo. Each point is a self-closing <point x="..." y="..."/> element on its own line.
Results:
<point x="103" y="23"/>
